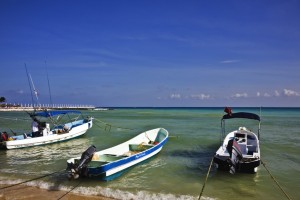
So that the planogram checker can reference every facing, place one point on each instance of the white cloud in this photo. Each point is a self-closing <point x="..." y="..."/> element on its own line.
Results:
<point x="240" y="95"/>
<point x="175" y="96"/>
<point x="267" y="95"/>
<point x="277" y="94"/>
<point x="200" y="96"/>
<point x="258" y="94"/>
<point x="290" y="93"/>
<point x="20" y="92"/>
<point x="229" y="61"/>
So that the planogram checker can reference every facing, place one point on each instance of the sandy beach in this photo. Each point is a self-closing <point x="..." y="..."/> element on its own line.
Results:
<point x="23" y="192"/>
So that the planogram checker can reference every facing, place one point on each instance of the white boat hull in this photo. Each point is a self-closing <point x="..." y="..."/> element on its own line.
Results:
<point x="48" y="139"/>
<point x="250" y="152"/>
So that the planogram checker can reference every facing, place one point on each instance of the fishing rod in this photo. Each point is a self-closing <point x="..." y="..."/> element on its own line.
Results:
<point x="51" y="102"/>
<point x="32" y="101"/>
<point x="35" y="91"/>
<point x="14" y="133"/>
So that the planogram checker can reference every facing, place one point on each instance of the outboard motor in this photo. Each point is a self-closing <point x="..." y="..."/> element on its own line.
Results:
<point x="79" y="168"/>
<point x="235" y="155"/>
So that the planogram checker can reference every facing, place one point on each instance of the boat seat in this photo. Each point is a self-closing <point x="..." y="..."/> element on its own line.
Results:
<point x="139" y="147"/>
<point x="251" y="144"/>
<point x="243" y="148"/>
<point x="251" y="149"/>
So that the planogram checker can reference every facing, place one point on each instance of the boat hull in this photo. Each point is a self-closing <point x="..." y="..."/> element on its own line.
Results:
<point x="109" y="163"/>
<point x="248" y="167"/>
<point x="53" y="138"/>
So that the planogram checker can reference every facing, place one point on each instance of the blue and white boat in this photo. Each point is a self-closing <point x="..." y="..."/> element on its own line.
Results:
<point x="54" y="126"/>
<point x="108" y="163"/>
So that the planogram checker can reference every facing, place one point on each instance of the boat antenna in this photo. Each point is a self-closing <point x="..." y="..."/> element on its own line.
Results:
<point x="260" y="111"/>
<point x="259" y="122"/>
<point x="51" y="102"/>
<point x="29" y="84"/>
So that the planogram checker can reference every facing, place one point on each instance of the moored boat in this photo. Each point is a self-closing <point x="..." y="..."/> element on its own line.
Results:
<point x="108" y="163"/>
<point x="240" y="149"/>
<point x="52" y="126"/>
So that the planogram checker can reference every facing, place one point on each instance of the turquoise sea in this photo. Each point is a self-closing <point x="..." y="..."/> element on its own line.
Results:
<point x="179" y="170"/>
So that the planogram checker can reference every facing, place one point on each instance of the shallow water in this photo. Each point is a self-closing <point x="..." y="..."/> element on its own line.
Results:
<point x="179" y="170"/>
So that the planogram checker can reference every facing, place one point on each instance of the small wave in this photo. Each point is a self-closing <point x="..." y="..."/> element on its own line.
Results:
<point x="125" y="195"/>
<point x="106" y="192"/>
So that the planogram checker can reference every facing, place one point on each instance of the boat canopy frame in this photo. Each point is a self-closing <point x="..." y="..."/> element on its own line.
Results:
<point x="239" y="115"/>
<point x="52" y="113"/>
<point x="59" y="114"/>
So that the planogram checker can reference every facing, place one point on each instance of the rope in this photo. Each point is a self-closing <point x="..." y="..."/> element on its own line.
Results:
<point x="69" y="191"/>
<point x="109" y="125"/>
<point x="287" y="196"/>
<point x="206" y="177"/>
<point x="100" y="126"/>
<point x="30" y="180"/>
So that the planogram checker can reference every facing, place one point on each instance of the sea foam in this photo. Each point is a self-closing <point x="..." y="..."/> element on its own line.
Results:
<point x="106" y="192"/>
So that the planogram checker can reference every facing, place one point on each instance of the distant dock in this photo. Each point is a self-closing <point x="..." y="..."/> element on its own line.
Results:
<point x="30" y="107"/>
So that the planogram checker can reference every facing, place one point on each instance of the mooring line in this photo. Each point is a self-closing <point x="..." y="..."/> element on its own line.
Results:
<point x="101" y="126"/>
<point x="287" y="196"/>
<point x="31" y="180"/>
<point x="69" y="191"/>
<point x="211" y="163"/>
<point x="109" y="125"/>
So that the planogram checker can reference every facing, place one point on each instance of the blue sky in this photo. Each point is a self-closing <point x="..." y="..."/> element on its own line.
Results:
<point x="152" y="53"/>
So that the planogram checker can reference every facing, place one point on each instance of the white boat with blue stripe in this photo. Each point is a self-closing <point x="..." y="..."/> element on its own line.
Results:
<point x="109" y="163"/>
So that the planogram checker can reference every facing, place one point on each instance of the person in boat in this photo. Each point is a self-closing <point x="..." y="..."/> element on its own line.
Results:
<point x="4" y="136"/>
<point x="35" y="128"/>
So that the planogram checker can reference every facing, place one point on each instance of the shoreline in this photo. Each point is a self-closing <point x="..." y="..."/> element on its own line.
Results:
<point x="16" y="109"/>
<point x="24" y="192"/>
<point x="39" y="109"/>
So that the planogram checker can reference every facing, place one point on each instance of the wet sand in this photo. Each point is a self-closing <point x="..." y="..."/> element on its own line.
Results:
<point x="23" y="192"/>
